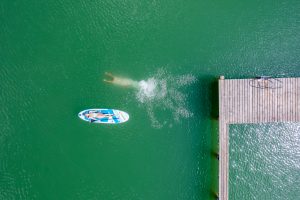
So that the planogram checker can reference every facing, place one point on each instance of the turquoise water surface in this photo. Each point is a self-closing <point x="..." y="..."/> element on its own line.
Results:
<point x="53" y="56"/>
<point x="264" y="161"/>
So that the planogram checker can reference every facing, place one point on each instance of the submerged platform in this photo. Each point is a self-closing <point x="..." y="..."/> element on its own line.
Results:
<point x="258" y="100"/>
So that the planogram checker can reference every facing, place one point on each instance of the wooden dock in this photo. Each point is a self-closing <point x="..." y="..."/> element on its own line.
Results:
<point x="253" y="101"/>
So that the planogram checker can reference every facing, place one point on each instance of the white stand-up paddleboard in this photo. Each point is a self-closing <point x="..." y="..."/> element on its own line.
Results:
<point x="104" y="116"/>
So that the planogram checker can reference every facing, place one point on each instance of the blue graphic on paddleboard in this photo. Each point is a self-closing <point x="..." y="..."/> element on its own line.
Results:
<point x="104" y="116"/>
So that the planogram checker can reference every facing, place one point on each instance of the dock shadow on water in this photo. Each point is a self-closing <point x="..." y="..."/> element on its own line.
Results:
<point x="164" y="96"/>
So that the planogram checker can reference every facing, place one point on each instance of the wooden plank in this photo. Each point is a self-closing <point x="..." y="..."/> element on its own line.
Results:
<point x="253" y="101"/>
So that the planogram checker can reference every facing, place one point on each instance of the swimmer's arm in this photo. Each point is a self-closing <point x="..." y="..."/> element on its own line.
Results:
<point x="107" y="81"/>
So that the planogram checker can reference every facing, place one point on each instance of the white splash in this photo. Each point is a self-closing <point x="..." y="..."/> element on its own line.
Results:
<point x="151" y="89"/>
<point x="162" y="93"/>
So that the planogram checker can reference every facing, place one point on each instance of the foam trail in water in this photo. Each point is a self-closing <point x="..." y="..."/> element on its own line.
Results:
<point x="161" y="95"/>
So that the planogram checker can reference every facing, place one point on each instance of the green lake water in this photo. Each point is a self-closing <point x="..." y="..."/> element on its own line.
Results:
<point x="53" y="56"/>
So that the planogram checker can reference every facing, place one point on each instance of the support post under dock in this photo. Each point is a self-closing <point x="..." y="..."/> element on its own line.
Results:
<point x="259" y="100"/>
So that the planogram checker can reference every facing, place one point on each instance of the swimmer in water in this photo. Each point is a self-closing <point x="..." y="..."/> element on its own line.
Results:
<point x="120" y="81"/>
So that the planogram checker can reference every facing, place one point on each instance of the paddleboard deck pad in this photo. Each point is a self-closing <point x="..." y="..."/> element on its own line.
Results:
<point x="104" y="116"/>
